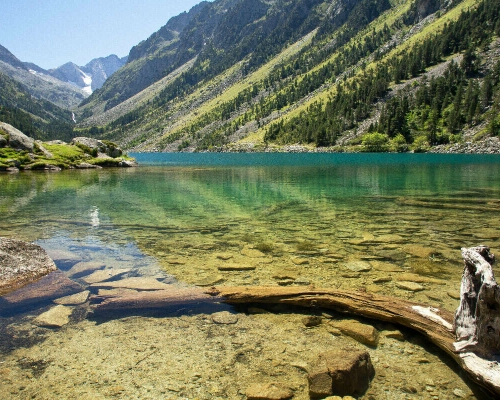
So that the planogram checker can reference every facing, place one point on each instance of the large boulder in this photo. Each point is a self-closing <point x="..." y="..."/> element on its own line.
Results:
<point x="341" y="372"/>
<point x="21" y="263"/>
<point x="98" y="147"/>
<point x="16" y="139"/>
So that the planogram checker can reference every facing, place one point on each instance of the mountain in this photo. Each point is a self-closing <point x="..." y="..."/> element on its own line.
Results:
<point x="65" y="86"/>
<point x="91" y="76"/>
<point x="316" y="75"/>
<point x="100" y="69"/>
<point x="37" y="118"/>
<point x="39" y="82"/>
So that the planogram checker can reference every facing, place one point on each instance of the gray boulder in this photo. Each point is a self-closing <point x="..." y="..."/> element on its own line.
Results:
<point x="17" y="140"/>
<point x="98" y="146"/>
<point x="21" y="263"/>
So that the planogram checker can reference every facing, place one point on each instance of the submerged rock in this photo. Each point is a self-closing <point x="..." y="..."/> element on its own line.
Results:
<point x="56" y="317"/>
<point x="363" y="333"/>
<point x="84" y="268"/>
<point x="64" y="259"/>
<point x="358" y="266"/>
<point x="312" y="320"/>
<point x="48" y="288"/>
<point x="394" y="335"/>
<point x="22" y="263"/>
<point x="74" y="299"/>
<point x="137" y="283"/>
<point x="236" y="267"/>
<point x="104" y="275"/>
<point x="340" y="372"/>
<point x="411" y="286"/>
<point x="268" y="391"/>
<point x="224" y="318"/>
<point x="252" y="253"/>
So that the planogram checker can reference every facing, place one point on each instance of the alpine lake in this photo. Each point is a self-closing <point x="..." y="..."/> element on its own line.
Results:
<point x="392" y="224"/>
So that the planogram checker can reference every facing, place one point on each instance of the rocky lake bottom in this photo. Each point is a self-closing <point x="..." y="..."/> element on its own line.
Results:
<point x="404" y="245"/>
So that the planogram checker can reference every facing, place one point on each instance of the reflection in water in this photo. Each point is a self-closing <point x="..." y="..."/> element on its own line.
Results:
<point x="352" y="225"/>
<point x="94" y="217"/>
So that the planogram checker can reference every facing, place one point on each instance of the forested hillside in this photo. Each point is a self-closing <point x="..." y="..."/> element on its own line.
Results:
<point x="370" y="75"/>
<point x="37" y="118"/>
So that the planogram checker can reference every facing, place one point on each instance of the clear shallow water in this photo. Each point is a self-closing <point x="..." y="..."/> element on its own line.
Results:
<point x="180" y="212"/>
<point x="288" y="219"/>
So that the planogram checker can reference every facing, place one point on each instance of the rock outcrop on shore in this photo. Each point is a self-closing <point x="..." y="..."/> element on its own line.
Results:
<point x="21" y="263"/>
<point x="20" y="152"/>
<point x="14" y="138"/>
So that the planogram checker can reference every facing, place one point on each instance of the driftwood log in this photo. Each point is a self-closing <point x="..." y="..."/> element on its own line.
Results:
<point x="437" y="325"/>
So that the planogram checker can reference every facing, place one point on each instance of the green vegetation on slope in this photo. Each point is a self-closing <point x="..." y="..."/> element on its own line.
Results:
<point x="433" y="114"/>
<point x="353" y="68"/>
<point x="39" y="119"/>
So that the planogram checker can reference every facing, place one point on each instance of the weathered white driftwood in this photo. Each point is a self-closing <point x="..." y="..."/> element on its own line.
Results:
<point x="435" y="324"/>
<point x="477" y="319"/>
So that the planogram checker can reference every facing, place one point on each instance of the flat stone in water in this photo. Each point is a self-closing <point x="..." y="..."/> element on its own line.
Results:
<point x="411" y="286"/>
<point x="104" y="275"/>
<point x="236" y="267"/>
<point x="386" y="266"/>
<point x="136" y="283"/>
<point x="268" y="391"/>
<point x="418" y="251"/>
<point x="63" y="257"/>
<point x="363" y="333"/>
<point x="382" y="279"/>
<point x="389" y="238"/>
<point x="56" y="317"/>
<point x="175" y="261"/>
<point x="224" y="318"/>
<point x="209" y="280"/>
<point x="454" y="294"/>
<point x="252" y="253"/>
<point x="300" y="261"/>
<point x="85" y="268"/>
<point x="407" y="276"/>
<point x="74" y="299"/>
<point x="358" y="266"/>
<point x="394" y="335"/>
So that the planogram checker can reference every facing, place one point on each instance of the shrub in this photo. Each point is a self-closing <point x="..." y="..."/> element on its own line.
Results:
<point x="375" y="142"/>
<point x="420" y="145"/>
<point x="398" y="144"/>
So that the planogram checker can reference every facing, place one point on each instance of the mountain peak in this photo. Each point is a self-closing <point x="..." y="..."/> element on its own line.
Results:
<point x="9" y="58"/>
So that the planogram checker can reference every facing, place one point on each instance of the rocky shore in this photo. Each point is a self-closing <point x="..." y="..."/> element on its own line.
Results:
<point x="489" y="145"/>
<point x="20" y="152"/>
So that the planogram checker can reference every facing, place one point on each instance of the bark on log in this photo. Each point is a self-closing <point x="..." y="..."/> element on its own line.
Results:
<point x="435" y="324"/>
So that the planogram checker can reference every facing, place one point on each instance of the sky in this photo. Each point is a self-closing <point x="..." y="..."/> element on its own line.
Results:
<point x="50" y="33"/>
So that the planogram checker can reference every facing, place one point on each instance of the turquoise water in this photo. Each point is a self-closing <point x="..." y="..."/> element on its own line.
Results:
<point x="185" y="209"/>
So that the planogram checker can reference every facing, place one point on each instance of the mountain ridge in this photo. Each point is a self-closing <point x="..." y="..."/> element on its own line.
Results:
<point x="353" y="46"/>
<point x="315" y="75"/>
<point x="67" y="85"/>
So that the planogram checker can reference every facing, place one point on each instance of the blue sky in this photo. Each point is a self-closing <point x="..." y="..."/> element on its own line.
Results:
<point x="50" y="33"/>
